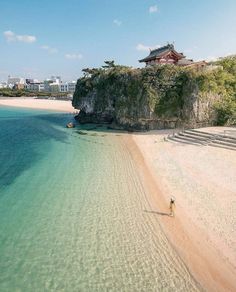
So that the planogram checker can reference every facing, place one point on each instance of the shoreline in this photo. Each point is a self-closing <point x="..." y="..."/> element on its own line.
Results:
<point x="43" y="104"/>
<point x="203" y="258"/>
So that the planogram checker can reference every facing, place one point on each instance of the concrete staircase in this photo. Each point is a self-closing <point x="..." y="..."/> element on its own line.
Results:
<point x="201" y="138"/>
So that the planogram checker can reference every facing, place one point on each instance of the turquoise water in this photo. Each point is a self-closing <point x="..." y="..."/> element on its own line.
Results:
<point x="72" y="212"/>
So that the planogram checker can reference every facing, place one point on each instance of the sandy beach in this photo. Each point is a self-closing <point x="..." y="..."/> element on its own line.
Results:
<point x="46" y="104"/>
<point x="202" y="180"/>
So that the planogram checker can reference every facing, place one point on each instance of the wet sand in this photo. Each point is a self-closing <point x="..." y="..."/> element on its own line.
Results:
<point x="46" y="104"/>
<point x="202" y="179"/>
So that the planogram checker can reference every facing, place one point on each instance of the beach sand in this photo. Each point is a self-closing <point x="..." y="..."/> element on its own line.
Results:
<point x="202" y="180"/>
<point x="46" y="104"/>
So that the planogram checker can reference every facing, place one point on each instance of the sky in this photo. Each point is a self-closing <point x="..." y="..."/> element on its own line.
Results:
<point x="40" y="38"/>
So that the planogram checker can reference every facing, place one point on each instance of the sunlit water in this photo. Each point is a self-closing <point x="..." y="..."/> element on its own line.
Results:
<point x="72" y="212"/>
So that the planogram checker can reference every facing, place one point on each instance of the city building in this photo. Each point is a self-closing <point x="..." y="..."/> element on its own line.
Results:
<point x="36" y="86"/>
<point x="71" y="86"/>
<point x="15" y="80"/>
<point x="47" y="84"/>
<point x="54" y="84"/>
<point x="3" y="85"/>
<point x="63" y="87"/>
<point x="30" y="81"/>
<point x="54" y="87"/>
<point x="19" y="86"/>
<point x="56" y="79"/>
<point x="68" y="87"/>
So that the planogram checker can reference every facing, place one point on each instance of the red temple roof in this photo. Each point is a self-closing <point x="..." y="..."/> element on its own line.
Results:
<point x="160" y="52"/>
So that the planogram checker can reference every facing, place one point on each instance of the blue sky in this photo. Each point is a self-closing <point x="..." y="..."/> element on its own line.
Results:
<point x="42" y="38"/>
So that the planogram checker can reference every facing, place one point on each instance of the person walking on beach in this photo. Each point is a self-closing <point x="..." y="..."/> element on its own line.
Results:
<point x="172" y="206"/>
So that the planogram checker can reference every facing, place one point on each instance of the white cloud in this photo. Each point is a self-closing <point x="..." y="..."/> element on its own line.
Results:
<point x="49" y="49"/>
<point x="153" y="9"/>
<point x="228" y="54"/>
<point x="141" y="47"/>
<point x="9" y="35"/>
<point x="117" y="22"/>
<point x="211" y="58"/>
<point x="74" y="56"/>
<point x="26" y="38"/>
<point x="12" y="37"/>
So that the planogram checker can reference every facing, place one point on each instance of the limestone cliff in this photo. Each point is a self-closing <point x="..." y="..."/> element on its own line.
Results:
<point x="149" y="98"/>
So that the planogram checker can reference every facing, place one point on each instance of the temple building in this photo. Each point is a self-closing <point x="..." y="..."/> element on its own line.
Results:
<point x="168" y="55"/>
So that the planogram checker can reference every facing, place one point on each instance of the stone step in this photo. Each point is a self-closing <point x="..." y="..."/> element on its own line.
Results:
<point x="199" y="133"/>
<point x="200" y="138"/>
<point x="226" y="140"/>
<point x="184" y="139"/>
<point x="209" y="136"/>
<point x="215" y="143"/>
<point x="204" y="134"/>
<point x="193" y="136"/>
<point x="222" y="142"/>
<point x="222" y="146"/>
<point x="210" y="140"/>
<point x="227" y="137"/>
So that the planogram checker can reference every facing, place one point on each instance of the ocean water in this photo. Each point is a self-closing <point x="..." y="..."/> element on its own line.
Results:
<point x="72" y="212"/>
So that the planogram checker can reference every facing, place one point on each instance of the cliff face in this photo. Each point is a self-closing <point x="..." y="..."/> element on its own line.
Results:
<point x="149" y="98"/>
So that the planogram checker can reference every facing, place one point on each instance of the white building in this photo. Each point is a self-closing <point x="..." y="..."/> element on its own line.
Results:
<point x="54" y="87"/>
<point x="15" y="80"/>
<point x="41" y="87"/>
<point x="47" y="84"/>
<point x="35" y="86"/>
<point x="64" y="87"/>
<point x="31" y="80"/>
<point x="68" y="87"/>
<point x="3" y="85"/>
<point x="71" y="86"/>
<point x="56" y="79"/>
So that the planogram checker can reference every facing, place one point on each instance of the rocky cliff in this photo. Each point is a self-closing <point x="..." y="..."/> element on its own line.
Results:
<point x="153" y="97"/>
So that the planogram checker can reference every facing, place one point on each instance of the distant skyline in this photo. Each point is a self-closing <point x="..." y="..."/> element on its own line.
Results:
<point x="43" y="38"/>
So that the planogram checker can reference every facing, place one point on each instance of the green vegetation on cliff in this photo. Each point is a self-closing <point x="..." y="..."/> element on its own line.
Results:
<point x="226" y="108"/>
<point x="134" y="97"/>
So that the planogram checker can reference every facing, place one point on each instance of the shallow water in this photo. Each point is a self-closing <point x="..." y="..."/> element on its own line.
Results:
<point x="72" y="212"/>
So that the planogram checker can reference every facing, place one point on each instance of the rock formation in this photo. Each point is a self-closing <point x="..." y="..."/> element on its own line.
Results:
<point x="154" y="97"/>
